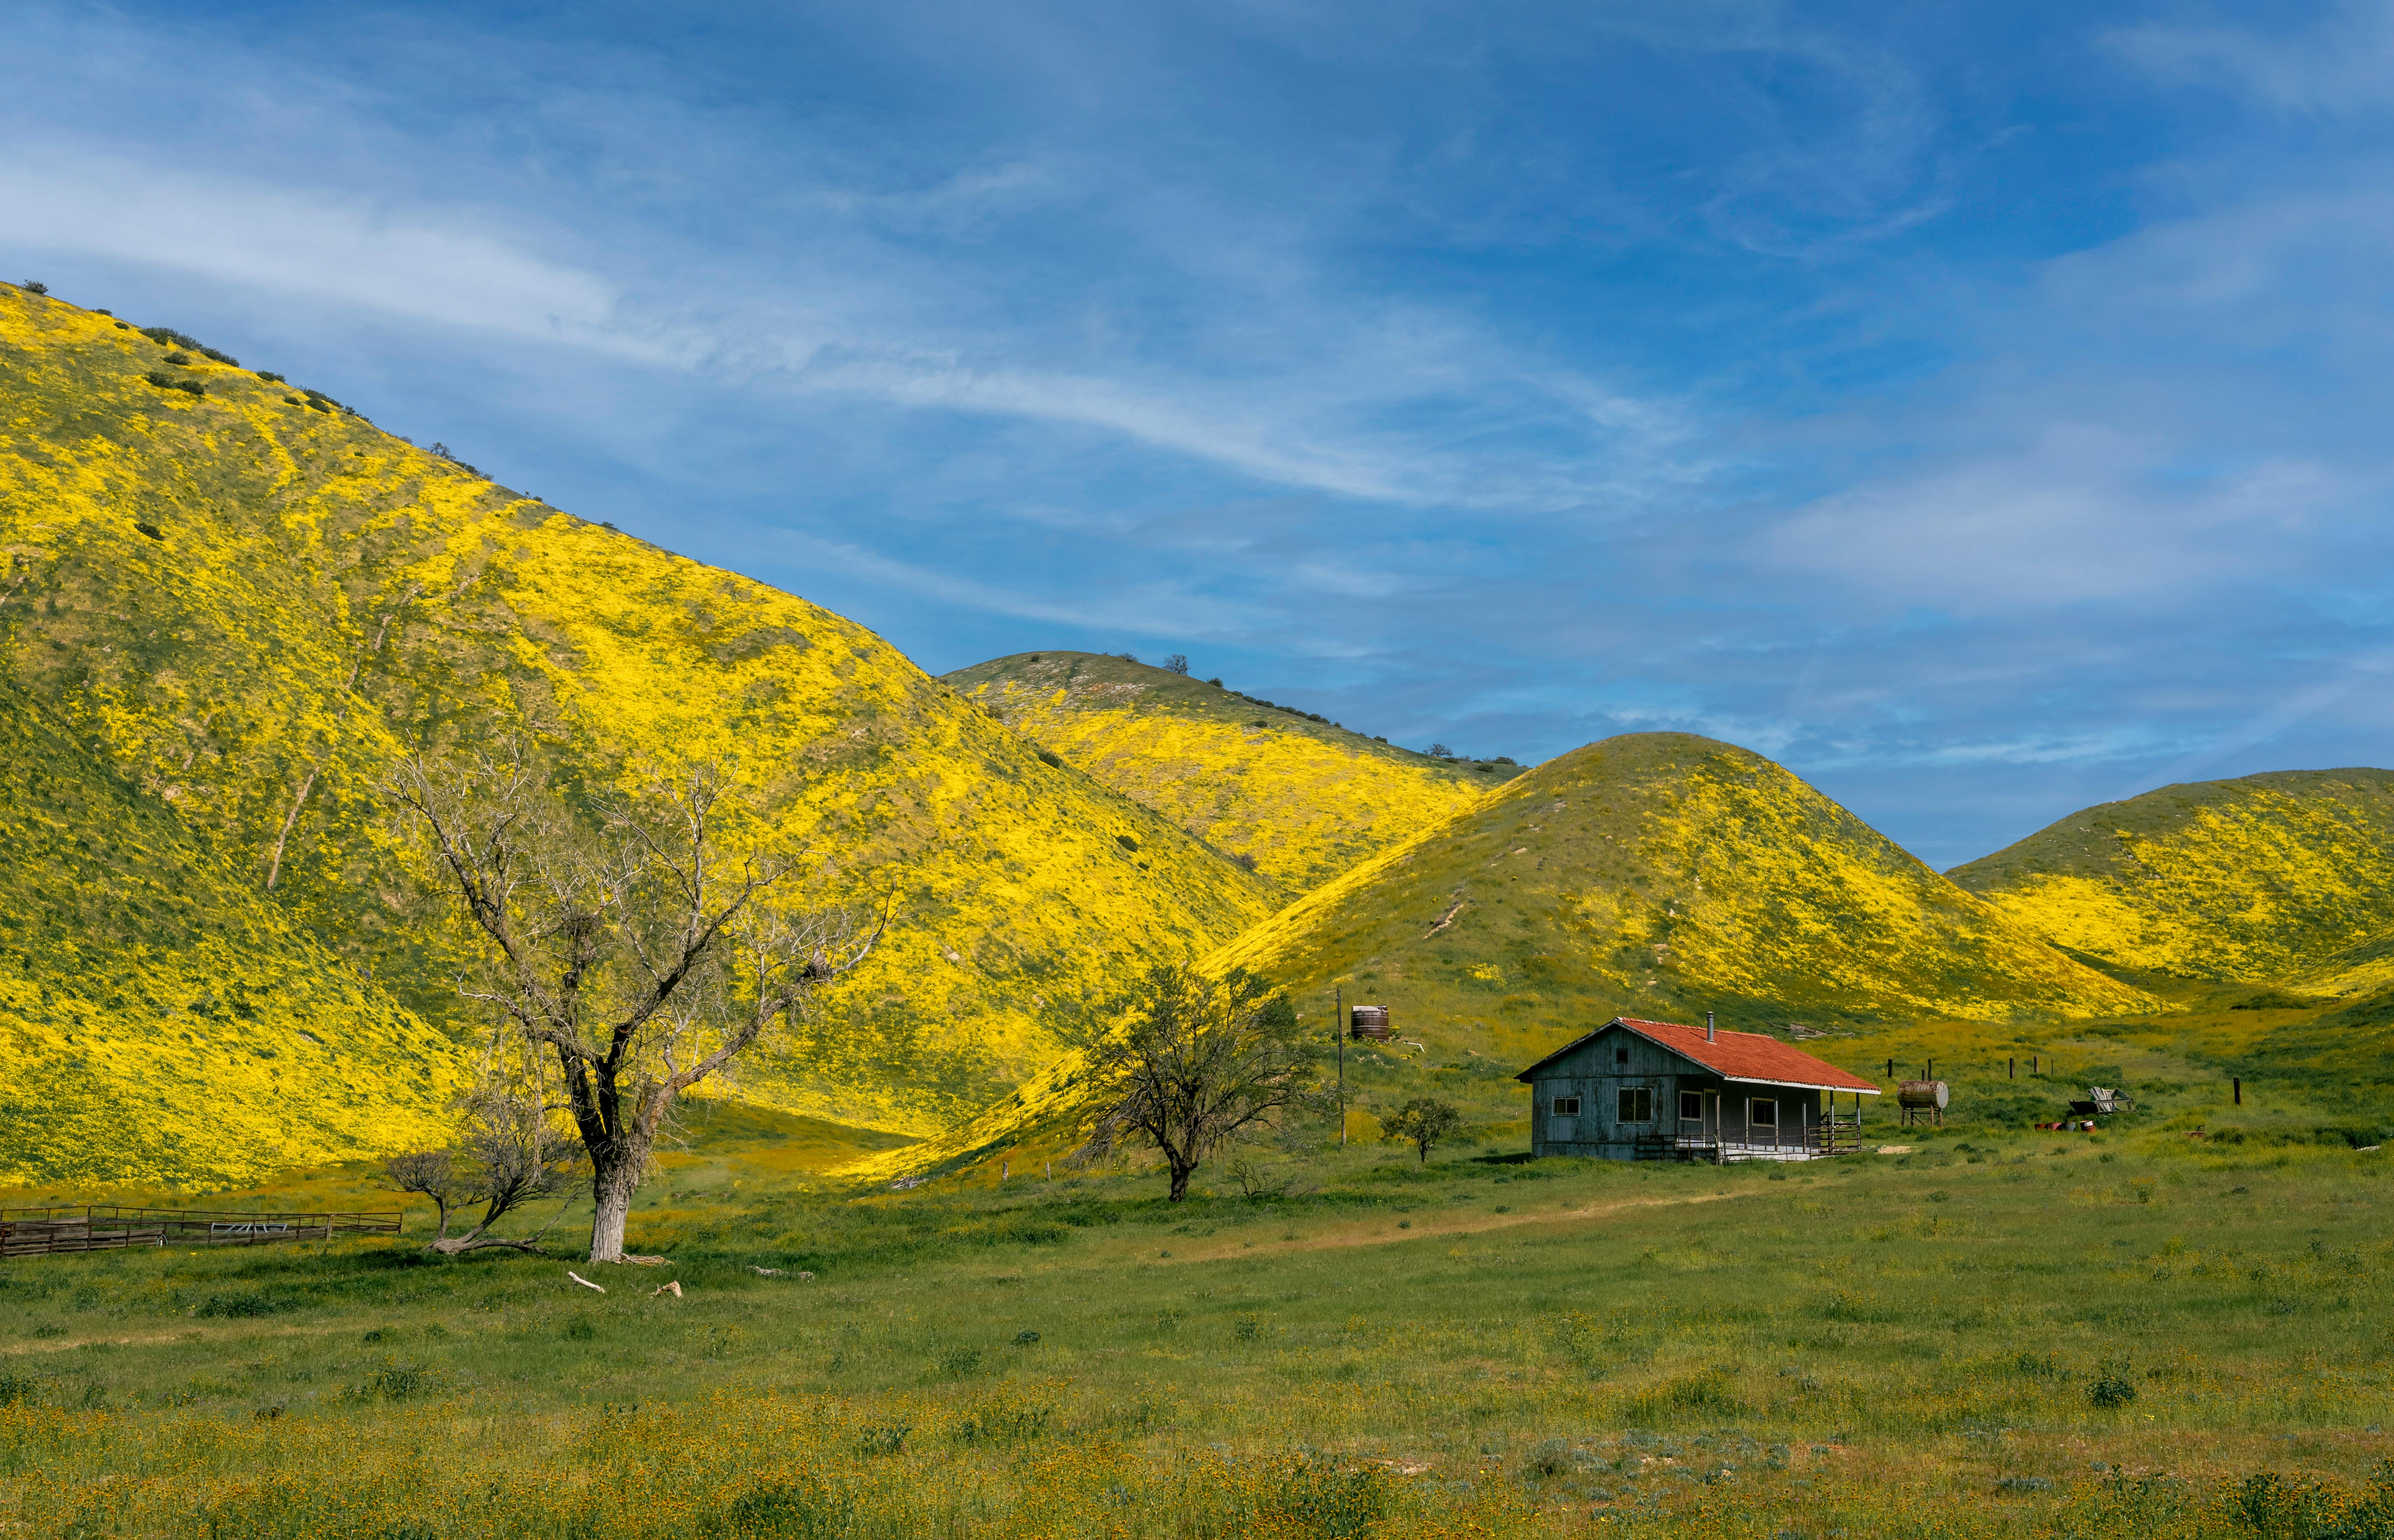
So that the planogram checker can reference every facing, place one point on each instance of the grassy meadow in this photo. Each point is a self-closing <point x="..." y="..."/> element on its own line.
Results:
<point x="2000" y="1332"/>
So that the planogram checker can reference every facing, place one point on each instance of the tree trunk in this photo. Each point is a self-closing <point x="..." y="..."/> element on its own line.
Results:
<point x="611" y="1187"/>
<point x="1180" y="1173"/>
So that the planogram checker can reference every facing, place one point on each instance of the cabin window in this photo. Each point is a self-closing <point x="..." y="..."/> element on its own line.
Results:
<point x="1621" y="1057"/>
<point x="1637" y="1104"/>
<point x="1762" y="1114"/>
<point x="1566" y="1106"/>
<point x="1692" y="1106"/>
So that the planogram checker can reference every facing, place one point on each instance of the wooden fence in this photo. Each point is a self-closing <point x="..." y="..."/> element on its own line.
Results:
<point x="105" y="1226"/>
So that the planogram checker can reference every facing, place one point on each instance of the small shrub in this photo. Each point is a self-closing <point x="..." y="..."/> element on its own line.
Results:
<point x="16" y="1387"/>
<point x="1126" y="842"/>
<point x="1244" y="860"/>
<point x="1050" y="761"/>
<point x="802" y="1508"/>
<point x="883" y="1438"/>
<point x="159" y="378"/>
<point x="1006" y="1417"/>
<point x="1548" y="1460"/>
<point x="1325" y="1499"/>
<point x="153" y="531"/>
<point x="1706" y="1392"/>
<point x="956" y="1363"/>
<point x="392" y="1380"/>
<point x="2020" y="1486"/>
<point x="179" y="358"/>
<point x="2111" y="1387"/>
<point x="1025" y="1338"/>
<point x="581" y="1329"/>
<point x="31" y="287"/>
<point x="1248" y="1329"/>
<point x="271" y="376"/>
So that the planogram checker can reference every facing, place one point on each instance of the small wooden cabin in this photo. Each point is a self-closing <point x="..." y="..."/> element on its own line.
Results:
<point x="1657" y="1090"/>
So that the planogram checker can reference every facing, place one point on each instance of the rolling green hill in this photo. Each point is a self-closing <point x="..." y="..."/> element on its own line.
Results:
<point x="1658" y="875"/>
<point x="242" y="600"/>
<point x="1305" y="800"/>
<point x="2266" y="878"/>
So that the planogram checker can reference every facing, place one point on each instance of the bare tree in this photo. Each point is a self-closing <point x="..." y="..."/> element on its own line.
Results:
<point x="512" y="1154"/>
<point x="1191" y="1062"/>
<point x="1425" y="1122"/>
<point x="640" y="954"/>
<point x="1177" y="663"/>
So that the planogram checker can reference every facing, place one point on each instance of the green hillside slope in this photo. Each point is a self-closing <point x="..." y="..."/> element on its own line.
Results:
<point x="1657" y="875"/>
<point x="159" y="1020"/>
<point x="1305" y="800"/>
<point x="2264" y="878"/>
<point x="244" y="602"/>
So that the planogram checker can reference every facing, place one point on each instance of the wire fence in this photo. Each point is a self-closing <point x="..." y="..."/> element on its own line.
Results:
<point x="107" y="1227"/>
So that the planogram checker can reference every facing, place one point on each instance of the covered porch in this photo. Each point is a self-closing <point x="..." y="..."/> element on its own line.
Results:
<point x="1723" y="1123"/>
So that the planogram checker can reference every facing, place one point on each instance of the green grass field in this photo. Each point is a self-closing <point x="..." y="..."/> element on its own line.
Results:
<point x="2000" y="1333"/>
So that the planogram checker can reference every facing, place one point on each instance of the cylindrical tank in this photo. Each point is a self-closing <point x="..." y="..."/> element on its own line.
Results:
<point x="1924" y="1094"/>
<point x="1371" y="1022"/>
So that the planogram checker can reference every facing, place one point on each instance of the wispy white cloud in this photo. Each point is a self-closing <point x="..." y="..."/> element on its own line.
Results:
<point x="2081" y="515"/>
<point x="1157" y="609"/>
<point x="444" y="265"/>
<point x="2340" y="62"/>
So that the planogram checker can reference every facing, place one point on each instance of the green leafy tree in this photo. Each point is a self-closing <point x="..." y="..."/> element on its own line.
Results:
<point x="1424" y="1121"/>
<point x="1193" y="1062"/>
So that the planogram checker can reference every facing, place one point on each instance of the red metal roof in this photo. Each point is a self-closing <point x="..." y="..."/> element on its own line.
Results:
<point x="1734" y="1055"/>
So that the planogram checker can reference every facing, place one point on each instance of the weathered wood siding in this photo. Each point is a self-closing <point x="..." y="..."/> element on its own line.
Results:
<point x="1599" y="1069"/>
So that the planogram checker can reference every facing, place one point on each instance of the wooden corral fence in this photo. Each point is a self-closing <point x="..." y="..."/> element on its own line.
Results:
<point x="105" y="1226"/>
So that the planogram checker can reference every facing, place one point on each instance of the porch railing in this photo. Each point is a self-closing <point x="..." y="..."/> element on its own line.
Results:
<point x="1838" y="1138"/>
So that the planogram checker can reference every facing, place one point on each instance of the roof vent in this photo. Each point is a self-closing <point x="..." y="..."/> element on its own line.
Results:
<point x="1710" y="1036"/>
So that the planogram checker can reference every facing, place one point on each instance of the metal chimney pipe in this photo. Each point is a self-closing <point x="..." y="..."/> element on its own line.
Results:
<point x="1710" y="1037"/>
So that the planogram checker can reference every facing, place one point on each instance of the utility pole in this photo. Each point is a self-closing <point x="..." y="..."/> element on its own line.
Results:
<point x="1339" y="1030"/>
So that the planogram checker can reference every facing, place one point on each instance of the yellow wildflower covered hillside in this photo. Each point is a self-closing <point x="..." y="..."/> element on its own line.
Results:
<point x="242" y="600"/>
<point x="1657" y="875"/>
<point x="2264" y="878"/>
<point x="158" y="1018"/>
<point x="1304" y="800"/>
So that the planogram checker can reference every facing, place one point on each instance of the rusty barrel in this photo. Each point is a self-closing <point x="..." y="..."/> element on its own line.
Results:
<point x="1922" y="1095"/>
<point x="1371" y="1022"/>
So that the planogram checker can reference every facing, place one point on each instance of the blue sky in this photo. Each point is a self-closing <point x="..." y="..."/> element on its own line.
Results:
<point x="1981" y="409"/>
